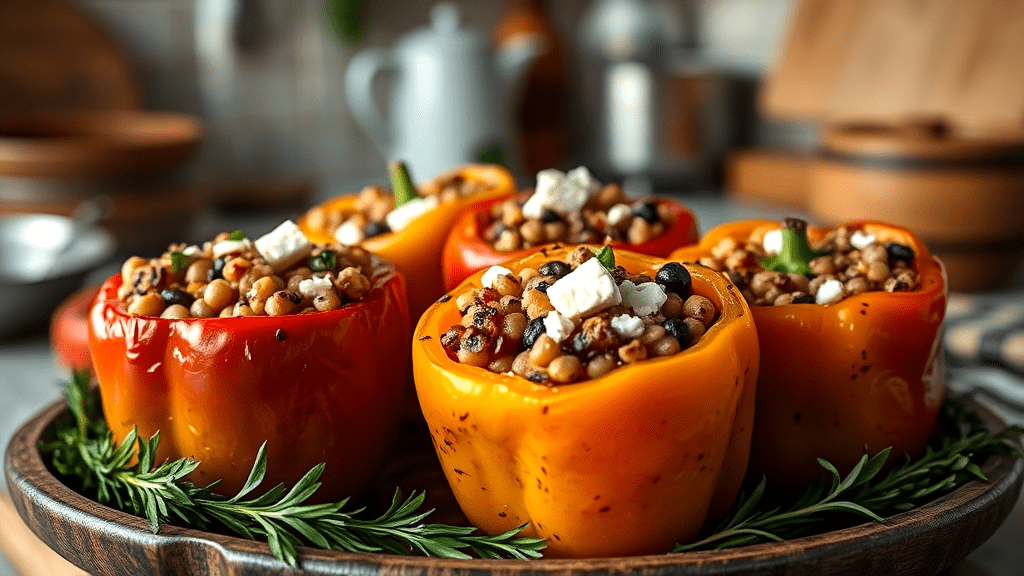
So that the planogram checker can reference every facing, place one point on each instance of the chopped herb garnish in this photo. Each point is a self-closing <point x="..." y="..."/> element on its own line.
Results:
<point x="180" y="260"/>
<point x="327" y="260"/>
<point x="237" y="236"/>
<point x="402" y="183"/>
<point x="606" y="257"/>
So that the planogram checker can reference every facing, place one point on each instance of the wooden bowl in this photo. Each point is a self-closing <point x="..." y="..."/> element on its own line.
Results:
<point x="102" y="540"/>
<point x="91" y="144"/>
<point x="961" y="195"/>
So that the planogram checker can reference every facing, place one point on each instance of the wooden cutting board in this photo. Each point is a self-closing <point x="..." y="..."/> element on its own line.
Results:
<point x="24" y="550"/>
<point x="890" y="61"/>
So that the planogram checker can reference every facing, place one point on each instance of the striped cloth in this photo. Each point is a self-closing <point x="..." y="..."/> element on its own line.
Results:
<point x="984" y="344"/>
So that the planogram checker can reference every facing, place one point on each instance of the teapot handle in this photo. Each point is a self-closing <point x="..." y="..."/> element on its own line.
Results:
<point x="362" y="69"/>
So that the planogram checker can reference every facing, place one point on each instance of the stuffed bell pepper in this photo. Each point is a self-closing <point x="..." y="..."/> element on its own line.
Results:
<point x="849" y="321"/>
<point x="408" y="227"/>
<point x="604" y="400"/>
<point x="568" y="208"/>
<point x="228" y="345"/>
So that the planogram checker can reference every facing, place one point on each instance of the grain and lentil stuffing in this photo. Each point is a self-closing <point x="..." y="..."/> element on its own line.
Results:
<point x="574" y="208"/>
<point x="576" y="319"/>
<point x="780" y="266"/>
<point x="279" y="273"/>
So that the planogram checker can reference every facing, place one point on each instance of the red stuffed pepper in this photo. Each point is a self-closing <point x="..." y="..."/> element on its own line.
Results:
<point x="224" y="347"/>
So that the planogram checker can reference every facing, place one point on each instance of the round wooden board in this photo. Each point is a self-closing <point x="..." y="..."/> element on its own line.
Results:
<point x="105" y="541"/>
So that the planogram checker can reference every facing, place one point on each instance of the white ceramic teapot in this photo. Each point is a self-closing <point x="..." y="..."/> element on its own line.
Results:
<point x="450" y="95"/>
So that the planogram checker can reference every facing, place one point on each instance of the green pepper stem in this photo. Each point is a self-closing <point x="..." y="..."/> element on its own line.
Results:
<point x="796" y="254"/>
<point x="402" y="183"/>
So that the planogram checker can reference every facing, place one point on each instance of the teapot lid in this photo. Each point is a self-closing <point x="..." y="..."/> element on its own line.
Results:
<point x="444" y="33"/>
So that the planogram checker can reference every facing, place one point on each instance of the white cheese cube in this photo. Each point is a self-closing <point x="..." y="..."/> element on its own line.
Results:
<point x="582" y="178"/>
<point x="645" y="299"/>
<point x="492" y="273"/>
<point x="225" y="247"/>
<point x="587" y="289"/>
<point x="829" y="292"/>
<point x="772" y="242"/>
<point x="403" y="215"/>
<point x="315" y="285"/>
<point x="559" y="193"/>
<point x="619" y="214"/>
<point x="558" y="327"/>
<point x="860" y="240"/>
<point x="192" y="250"/>
<point x="283" y="246"/>
<point x="628" y="327"/>
<point x="349" y="233"/>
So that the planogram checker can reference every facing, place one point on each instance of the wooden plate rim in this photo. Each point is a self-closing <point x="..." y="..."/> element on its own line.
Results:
<point x="23" y="461"/>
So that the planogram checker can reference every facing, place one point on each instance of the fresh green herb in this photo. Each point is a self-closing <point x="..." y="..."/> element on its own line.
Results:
<point x="237" y="236"/>
<point x="866" y="491"/>
<point x="181" y="260"/>
<point x="796" y="254"/>
<point x="402" y="183"/>
<point x="84" y="449"/>
<point x="327" y="260"/>
<point x="606" y="257"/>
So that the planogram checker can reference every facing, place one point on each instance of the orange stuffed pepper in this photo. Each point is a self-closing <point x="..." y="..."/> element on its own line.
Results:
<point x="497" y="231"/>
<point x="849" y="322"/>
<point x="221" y="349"/>
<point x="410" y="234"/>
<point x="615" y="431"/>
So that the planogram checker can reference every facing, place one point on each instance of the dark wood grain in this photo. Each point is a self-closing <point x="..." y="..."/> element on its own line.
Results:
<point x="105" y="541"/>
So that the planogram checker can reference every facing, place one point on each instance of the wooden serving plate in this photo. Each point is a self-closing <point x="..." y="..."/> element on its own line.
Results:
<point x="105" y="541"/>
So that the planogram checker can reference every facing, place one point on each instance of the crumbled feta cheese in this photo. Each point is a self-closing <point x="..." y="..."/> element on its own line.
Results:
<point x="558" y="327"/>
<point x="315" y="285"/>
<point x="349" y="233"/>
<point x="492" y="274"/>
<point x="192" y="250"/>
<point x="619" y="214"/>
<point x="584" y="179"/>
<point x="772" y="242"/>
<point x="560" y="192"/>
<point x="587" y="289"/>
<point x="645" y="299"/>
<point x="283" y="246"/>
<point x="628" y="327"/>
<point x="829" y="292"/>
<point x="860" y="240"/>
<point x="225" y="247"/>
<point x="403" y="215"/>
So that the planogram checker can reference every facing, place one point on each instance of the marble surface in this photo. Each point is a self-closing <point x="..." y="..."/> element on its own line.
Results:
<point x="29" y="379"/>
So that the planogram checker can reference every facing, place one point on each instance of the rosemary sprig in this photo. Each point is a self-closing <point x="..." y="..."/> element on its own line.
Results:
<point x="84" y="449"/>
<point x="866" y="491"/>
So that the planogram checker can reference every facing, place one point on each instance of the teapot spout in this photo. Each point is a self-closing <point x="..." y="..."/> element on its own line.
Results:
<point x="514" y="57"/>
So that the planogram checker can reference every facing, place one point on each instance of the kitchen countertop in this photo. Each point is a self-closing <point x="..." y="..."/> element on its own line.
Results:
<point x="30" y="379"/>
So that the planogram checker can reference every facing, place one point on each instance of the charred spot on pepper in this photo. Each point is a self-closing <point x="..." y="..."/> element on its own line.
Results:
<point x="502" y="514"/>
<point x="557" y="537"/>
<point x="865" y="368"/>
<point x="280" y="335"/>
<point x="545" y="410"/>
<point x="460" y="472"/>
<point x="445" y="298"/>
<point x="863" y="312"/>
<point x="422" y="338"/>
<point x="605" y="509"/>
<point x="656" y="479"/>
<point x="463" y="417"/>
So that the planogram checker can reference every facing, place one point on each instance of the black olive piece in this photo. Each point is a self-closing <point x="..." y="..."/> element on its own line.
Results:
<point x="555" y="268"/>
<point x="648" y="211"/>
<point x="899" y="252"/>
<point x="541" y="286"/>
<point x="375" y="229"/>
<point x="677" y="329"/>
<point x="675" y="278"/>
<point x="549" y="216"/>
<point x="173" y="296"/>
<point x="580" y="342"/>
<point x="803" y="299"/>
<point x="536" y="376"/>
<point x="217" y="271"/>
<point x="533" y="331"/>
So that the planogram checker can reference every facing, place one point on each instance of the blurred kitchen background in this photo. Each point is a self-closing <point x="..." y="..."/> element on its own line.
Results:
<point x="167" y="120"/>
